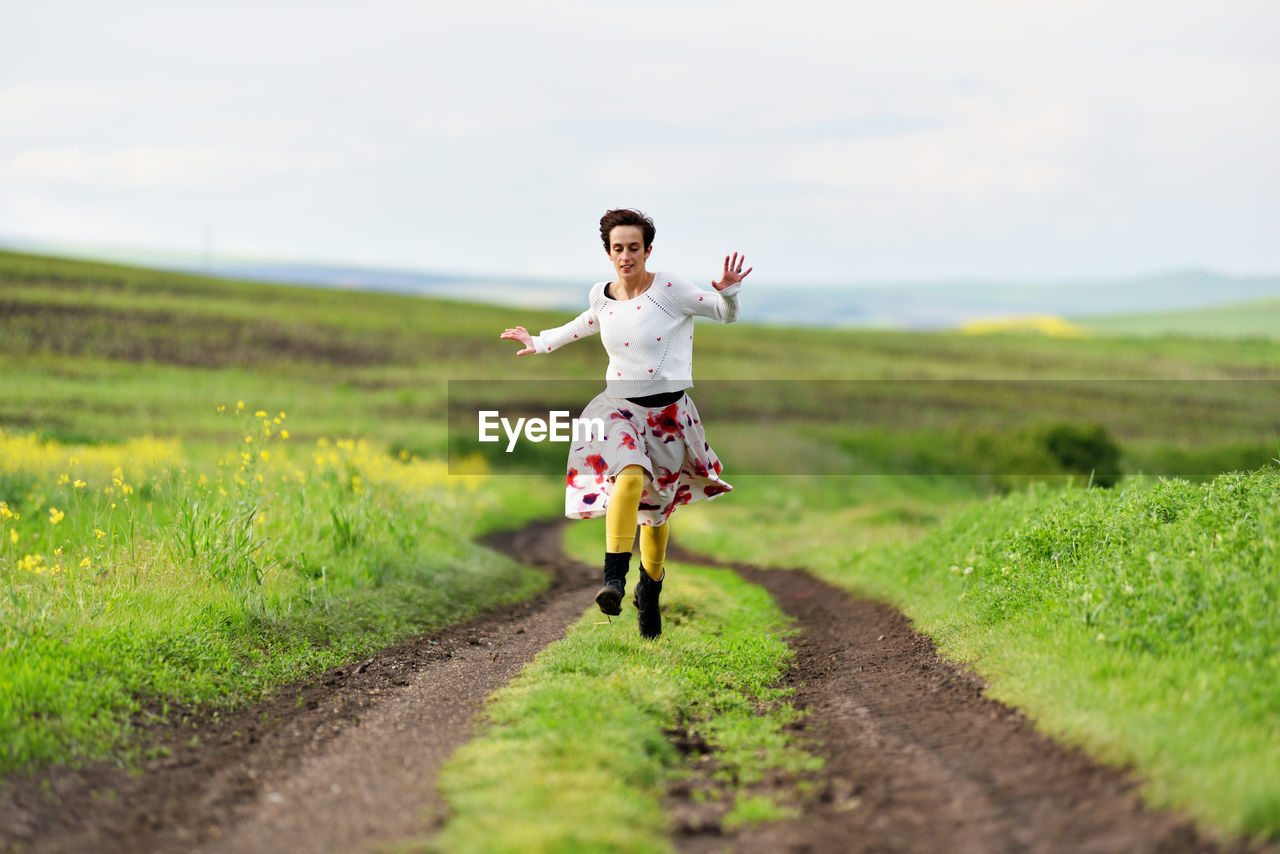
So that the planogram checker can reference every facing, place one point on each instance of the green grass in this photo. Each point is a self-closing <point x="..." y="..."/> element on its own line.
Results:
<point x="99" y="352"/>
<point x="1142" y="623"/>
<point x="101" y="357"/>
<point x="1258" y="319"/>
<point x="135" y="578"/>
<point x="577" y="754"/>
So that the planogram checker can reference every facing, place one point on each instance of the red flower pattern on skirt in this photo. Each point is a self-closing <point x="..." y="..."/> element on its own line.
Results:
<point x="668" y="443"/>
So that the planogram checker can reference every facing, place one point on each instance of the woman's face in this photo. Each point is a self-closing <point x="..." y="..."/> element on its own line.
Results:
<point x="627" y="251"/>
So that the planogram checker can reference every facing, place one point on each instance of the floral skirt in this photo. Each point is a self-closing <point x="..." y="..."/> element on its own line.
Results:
<point x="668" y="443"/>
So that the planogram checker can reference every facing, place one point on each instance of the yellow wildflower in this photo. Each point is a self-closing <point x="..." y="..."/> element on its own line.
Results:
<point x="55" y="515"/>
<point x="101" y="533"/>
<point x="265" y="455"/>
<point x="85" y="563"/>
<point x="79" y="484"/>
<point x="5" y="512"/>
<point x="63" y="478"/>
<point x="284" y="434"/>
<point x="281" y="416"/>
<point x="13" y="536"/>
<point x="222" y="407"/>
<point x="239" y="404"/>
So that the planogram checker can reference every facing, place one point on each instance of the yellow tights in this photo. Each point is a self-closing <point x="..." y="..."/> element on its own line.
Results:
<point x="620" y="523"/>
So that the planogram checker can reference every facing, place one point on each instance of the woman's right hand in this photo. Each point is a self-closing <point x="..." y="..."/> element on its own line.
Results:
<point x="522" y="335"/>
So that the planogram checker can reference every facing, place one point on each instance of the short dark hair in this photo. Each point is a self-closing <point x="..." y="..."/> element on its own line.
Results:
<point x="626" y="216"/>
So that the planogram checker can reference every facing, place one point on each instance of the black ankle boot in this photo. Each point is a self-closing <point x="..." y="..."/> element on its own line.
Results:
<point x="646" y="601"/>
<point x="615" y="582"/>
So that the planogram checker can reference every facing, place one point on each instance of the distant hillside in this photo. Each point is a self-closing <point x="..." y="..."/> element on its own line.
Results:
<point x="948" y="305"/>
<point x="879" y="305"/>
<point x="1259" y="319"/>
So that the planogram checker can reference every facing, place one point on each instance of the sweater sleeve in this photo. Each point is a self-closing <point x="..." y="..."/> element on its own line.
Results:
<point x="580" y="327"/>
<point x="720" y="306"/>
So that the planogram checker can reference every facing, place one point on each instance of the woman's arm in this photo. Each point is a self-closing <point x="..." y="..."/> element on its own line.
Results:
<point x="520" y="334"/>
<point x="721" y="304"/>
<point x="553" y="339"/>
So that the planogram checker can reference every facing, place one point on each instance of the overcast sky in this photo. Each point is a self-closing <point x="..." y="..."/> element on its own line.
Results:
<point x="827" y="141"/>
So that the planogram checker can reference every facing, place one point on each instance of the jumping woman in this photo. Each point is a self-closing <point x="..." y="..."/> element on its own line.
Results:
<point x="654" y="455"/>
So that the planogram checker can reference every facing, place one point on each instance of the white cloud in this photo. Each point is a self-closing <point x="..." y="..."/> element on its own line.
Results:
<point x="45" y="216"/>
<point x="398" y="128"/>
<point x="154" y="166"/>
<point x="994" y="149"/>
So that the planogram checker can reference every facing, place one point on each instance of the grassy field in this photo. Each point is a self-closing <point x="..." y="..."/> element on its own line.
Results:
<point x="1141" y="622"/>
<point x="1259" y="319"/>
<point x="137" y="541"/>
<point x="137" y="577"/>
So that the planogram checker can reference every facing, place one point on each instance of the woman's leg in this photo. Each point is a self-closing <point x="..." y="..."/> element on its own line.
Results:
<point x="623" y="510"/>
<point x="653" y="549"/>
<point x="621" y="515"/>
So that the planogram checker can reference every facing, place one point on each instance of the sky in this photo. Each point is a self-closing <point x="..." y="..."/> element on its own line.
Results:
<point x="829" y="142"/>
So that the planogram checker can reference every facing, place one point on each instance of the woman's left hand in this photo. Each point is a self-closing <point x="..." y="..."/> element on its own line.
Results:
<point x="732" y="272"/>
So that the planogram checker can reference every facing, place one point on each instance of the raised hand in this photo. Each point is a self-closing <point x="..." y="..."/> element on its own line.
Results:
<point x="519" y="333"/>
<point x="732" y="272"/>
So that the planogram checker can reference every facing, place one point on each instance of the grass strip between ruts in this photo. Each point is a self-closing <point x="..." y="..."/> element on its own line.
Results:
<point x="577" y="756"/>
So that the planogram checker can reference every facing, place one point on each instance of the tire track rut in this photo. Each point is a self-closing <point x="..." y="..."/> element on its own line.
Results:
<point x="918" y="759"/>
<point x="341" y="762"/>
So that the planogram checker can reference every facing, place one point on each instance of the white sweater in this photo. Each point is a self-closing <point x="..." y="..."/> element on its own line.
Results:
<point x="649" y="338"/>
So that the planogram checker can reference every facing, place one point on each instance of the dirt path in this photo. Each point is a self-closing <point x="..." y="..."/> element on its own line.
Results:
<point x="919" y="760"/>
<point x="339" y="763"/>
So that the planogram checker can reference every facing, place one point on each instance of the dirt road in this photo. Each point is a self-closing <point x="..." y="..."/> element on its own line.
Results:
<point x="917" y="759"/>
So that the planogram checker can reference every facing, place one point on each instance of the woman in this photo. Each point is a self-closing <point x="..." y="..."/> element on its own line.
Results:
<point x="654" y="455"/>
